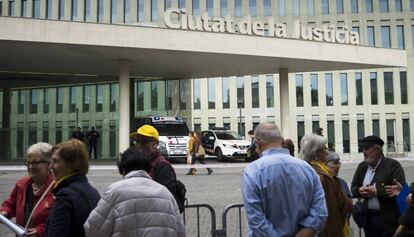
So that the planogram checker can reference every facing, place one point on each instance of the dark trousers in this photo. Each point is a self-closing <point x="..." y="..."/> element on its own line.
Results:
<point x="92" y="146"/>
<point x="199" y="159"/>
<point x="375" y="225"/>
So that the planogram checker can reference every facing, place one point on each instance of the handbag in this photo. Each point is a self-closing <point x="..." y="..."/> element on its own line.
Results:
<point x="359" y="213"/>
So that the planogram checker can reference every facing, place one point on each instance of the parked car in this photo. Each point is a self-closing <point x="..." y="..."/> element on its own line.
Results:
<point x="224" y="144"/>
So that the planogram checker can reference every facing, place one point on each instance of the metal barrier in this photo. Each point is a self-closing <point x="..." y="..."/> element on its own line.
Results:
<point x="212" y="213"/>
<point x="223" y="231"/>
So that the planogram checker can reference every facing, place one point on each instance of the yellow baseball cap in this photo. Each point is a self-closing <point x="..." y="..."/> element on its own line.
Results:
<point x="145" y="131"/>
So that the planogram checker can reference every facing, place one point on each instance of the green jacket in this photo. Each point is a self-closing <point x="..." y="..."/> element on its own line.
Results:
<point x="386" y="171"/>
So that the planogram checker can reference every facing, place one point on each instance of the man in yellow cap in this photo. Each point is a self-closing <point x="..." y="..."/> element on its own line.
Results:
<point x="147" y="140"/>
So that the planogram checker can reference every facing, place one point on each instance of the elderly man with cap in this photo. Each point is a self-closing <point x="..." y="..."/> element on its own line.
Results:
<point x="370" y="183"/>
<point x="147" y="140"/>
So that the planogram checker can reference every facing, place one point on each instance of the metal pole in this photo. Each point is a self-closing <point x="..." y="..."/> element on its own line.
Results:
<point x="240" y="119"/>
<point x="77" y="117"/>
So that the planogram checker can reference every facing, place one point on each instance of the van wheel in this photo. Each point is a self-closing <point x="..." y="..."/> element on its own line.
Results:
<point x="219" y="155"/>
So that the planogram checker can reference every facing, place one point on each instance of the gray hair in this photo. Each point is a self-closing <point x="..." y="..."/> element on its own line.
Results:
<point x="333" y="157"/>
<point x="267" y="133"/>
<point x="41" y="148"/>
<point x="310" y="145"/>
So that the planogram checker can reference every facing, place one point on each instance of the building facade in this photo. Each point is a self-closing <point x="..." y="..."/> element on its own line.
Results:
<point x="348" y="105"/>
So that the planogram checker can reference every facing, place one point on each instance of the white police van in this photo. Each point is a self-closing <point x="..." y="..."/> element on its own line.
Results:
<point x="173" y="134"/>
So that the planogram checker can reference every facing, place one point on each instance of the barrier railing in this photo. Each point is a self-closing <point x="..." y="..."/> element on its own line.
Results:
<point x="198" y="207"/>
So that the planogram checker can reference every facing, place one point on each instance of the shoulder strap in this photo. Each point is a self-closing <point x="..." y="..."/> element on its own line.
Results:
<point x="38" y="202"/>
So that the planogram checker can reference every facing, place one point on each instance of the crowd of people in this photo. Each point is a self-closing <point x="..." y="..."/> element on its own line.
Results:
<point x="283" y="195"/>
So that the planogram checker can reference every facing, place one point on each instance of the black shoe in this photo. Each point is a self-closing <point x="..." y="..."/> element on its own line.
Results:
<point x="190" y="172"/>
<point x="209" y="171"/>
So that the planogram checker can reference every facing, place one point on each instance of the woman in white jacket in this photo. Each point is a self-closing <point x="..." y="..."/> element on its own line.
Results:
<point x="136" y="205"/>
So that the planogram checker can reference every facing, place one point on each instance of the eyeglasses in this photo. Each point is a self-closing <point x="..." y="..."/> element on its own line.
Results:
<point x="35" y="162"/>
<point x="337" y="163"/>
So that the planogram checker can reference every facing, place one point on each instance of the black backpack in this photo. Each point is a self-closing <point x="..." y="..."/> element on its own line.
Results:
<point x="180" y="195"/>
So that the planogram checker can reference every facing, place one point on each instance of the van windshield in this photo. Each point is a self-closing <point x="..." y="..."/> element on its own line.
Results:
<point x="228" y="135"/>
<point x="172" y="129"/>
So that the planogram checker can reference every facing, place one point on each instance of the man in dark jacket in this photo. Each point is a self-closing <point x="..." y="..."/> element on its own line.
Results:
<point x="78" y="134"/>
<point x="92" y="137"/>
<point x="370" y="179"/>
<point x="147" y="140"/>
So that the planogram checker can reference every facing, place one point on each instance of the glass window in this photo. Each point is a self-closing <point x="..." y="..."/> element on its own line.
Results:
<point x="113" y="11"/>
<point x="59" y="100"/>
<point x="255" y="92"/>
<point x="100" y="11"/>
<point x="74" y="10"/>
<point x="374" y="88"/>
<point x="32" y="136"/>
<point x="45" y="131"/>
<point x="412" y="36"/>
<point x="368" y="6"/>
<point x="72" y="99"/>
<point x="86" y="98"/>
<point x="253" y="8"/>
<point x="197" y="127"/>
<point x="140" y="95"/>
<point x="340" y="6"/>
<point x="36" y="9"/>
<point x="127" y="10"/>
<point x="20" y="140"/>
<point x="390" y="135"/>
<point x="99" y="98"/>
<point x="58" y="132"/>
<point x="383" y="5"/>
<point x="267" y="7"/>
<point x="361" y="133"/>
<point x="181" y="3"/>
<point x="112" y="139"/>
<point x="345" y="136"/>
<point x="344" y="89"/>
<point x="296" y="7"/>
<point x="33" y="101"/>
<point x="301" y="132"/>
<point x="12" y="5"/>
<point x="1" y="7"/>
<point x="225" y="93"/>
<point x="196" y="93"/>
<point x="282" y="8"/>
<point x="299" y="90"/>
<point x="240" y="92"/>
<point x="388" y="88"/>
<point x="210" y="7"/>
<point x="385" y="36"/>
<point x="400" y="37"/>
<point x="315" y="126"/>
<point x="238" y="8"/>
<point x="196" y="7"/>
<point x="168" y="94"/>
<point x="331" y="135"/>
<point x="329" y="89"/>
<point x="61" y="9"/>
<point x="325" y="7"/>
<point x="358" y="88"/>
<point x="46" y="102"/>
<point x="182" y="93"/>
<point x="211" y="93"/>
<point x="406" y="135"/>
<point x="154" y="94"/>
<point x="167" y="4"/>
<point x="22" y="101"/>
<point x="355" y="29"/>
<point x="270" y="98"/>
<point x="376" y="127"/>
<point x="411" y="5"/>
<point x="223" y="8"/>
<point x="311" y="7"/>
<point x="154" y="10"/>
<point x="371" y="35"/>
<point x="49" y="8"/>
<point x="87" y="10"/>
<point x="113" y="97"/>
<point x="398" y="5"/>
<point x="314" y="89"/>
<point x="403" y="87"/>
<point x="141" y="10"/>
<point x="24" y="8"/>
<point x="354" y="6"/>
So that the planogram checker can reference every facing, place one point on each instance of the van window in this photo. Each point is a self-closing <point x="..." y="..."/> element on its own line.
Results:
<point x="172" y="129"/>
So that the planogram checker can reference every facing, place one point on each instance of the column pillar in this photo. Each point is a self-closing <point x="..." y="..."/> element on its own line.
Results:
<point x="5" y="130"/>
<point x="284" y="102"/>
<point x="124" y="108"/>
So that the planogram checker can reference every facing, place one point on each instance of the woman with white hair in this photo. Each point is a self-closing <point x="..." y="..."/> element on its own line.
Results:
<point x="314" y="150"/>
<point x="31" y="198"/>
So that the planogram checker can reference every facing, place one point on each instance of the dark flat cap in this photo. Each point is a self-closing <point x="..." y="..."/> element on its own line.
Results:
<point x="371" y="140"/>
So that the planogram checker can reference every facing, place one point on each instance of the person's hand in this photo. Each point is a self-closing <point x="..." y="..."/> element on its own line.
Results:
<point x="31" y="232"/>
<point x="409" y="199"/>
<point x="393" y="190"/>
<point x="368" y="191"/>
<point x="400" y="230"/>
<point x="305" y="232"/>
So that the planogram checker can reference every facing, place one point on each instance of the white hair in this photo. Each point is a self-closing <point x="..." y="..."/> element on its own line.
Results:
<point x="268" y="132"/>
<point x="41" y="148"/>
<point x="310" y="145"/>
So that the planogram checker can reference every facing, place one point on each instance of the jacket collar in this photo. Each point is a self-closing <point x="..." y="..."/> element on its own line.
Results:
<point x="137" y="173"/>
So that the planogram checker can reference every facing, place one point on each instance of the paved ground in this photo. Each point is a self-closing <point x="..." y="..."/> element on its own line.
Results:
<point x="218" y="190"/>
